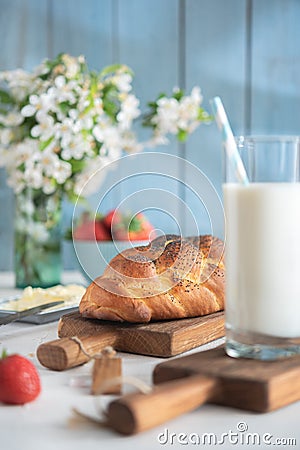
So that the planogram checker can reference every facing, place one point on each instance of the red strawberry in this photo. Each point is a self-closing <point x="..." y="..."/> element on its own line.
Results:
<point x="85" y="231"/>
<point x="140" y="229"/>
<point x="90" y="230"/>
<point x="19" y="380"/>
<point x="101" y="232"/>
<point x="120" y="234"/>
<point x="137" y="228"/>
<point x="112" y="218"/>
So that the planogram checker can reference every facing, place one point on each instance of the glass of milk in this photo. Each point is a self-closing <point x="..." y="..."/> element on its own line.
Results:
<point x="263" y="249"/>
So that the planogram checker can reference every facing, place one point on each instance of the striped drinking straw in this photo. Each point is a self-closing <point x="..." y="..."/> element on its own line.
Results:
<point x="228" y="140"/>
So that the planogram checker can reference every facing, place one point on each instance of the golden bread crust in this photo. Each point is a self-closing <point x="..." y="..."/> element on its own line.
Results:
<point x="170" y="278"/>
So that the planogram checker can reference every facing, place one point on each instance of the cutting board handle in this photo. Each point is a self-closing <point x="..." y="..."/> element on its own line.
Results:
<point x="138" y="412"/>
<point x="64" y="353"/>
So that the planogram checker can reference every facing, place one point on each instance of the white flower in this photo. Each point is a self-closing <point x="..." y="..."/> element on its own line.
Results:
<point x="38" y="232"/>
<point x="123" y="82"/>
<point x="60" y="82"/>
<point x="130" y="144"/>
<point x="78" y="147"/>
<point x="20" y="83"/>
<point x="66" y="154"/>
<point x="129" y="111"/>
<point x="49" y="162"/>
<point x="167" y="115"/>
<point x="33" y="178"/>
<point x="97" y="109"/>
<point x="16" y="181"/>
<point x="196" y="95"/>
<point x="65" y="131"/>
<point x="49" y="187"/>
<point x="52" y="204"/>
<point x="45" y="128"/>
<point x="83" y="102"/>
<point x="43" y="102"/>
<point x="63" y="90"/>
<point x="12" y="119"/>
<point x="62" y="172"/>
<point x="112" y="139"/>
<point x="42" y="69"/>
<point x="173" y="115"/>
<point x="189" y="110"/>
<point x="108" y="134"/>
<point x="72" y="65"/>
<point x="6" y="136"/>
<point x="85" y="123"/>
<point x="25" y="151"/>
<point x="27" y="207"/>
<point x="73" y="114"/>
<point x="20" y="223"/>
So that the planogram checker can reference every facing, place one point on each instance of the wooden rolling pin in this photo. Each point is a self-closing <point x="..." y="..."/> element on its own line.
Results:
<point x="135" y="413"/>
<point x="209" y="376"/>
<point x="65" y="353"/>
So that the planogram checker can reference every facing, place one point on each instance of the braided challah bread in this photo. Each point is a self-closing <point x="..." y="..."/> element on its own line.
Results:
<point x="170" y="278"/>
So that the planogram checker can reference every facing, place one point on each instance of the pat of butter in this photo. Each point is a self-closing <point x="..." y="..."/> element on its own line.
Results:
<point x="70" y="294"/>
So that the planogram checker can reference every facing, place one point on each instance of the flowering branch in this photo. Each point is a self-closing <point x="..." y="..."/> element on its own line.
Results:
<point x="60" y="123"/>
<point x="179" y="115"/>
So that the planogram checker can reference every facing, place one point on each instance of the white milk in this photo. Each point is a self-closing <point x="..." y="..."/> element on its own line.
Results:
<point x="263" y="258"/>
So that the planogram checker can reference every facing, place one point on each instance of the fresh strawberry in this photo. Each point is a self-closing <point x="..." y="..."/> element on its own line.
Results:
<point x="113" y="217"/>
<point x="120" y="233"/>
<point x="101" y="232"/>
<point x="137" y="228"/>
<point x="19" y="380"/>
<point x="140" y="229"/>
<point x="114" y="225"/>
<point x="91" y="230"/>
<point x="85" y="231"/>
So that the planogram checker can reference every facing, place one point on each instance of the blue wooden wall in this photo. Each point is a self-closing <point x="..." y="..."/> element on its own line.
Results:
<point x="246" y="51"/>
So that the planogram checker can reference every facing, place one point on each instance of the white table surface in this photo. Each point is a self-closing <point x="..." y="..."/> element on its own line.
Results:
<point x="45" y="423"/>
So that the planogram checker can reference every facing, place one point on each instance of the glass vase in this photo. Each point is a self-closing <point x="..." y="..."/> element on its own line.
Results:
<point x="38" y="261"/>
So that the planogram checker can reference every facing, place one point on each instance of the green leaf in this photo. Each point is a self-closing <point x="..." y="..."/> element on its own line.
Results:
<point x="110" y="108"/>
<point x="68" y="235"/>
<point x="4" y="354"/>
<point x="182" y="135"/>
<point x="135" y="224"/>
<point x="77" y="165"/>
<point x="74" y="198"/>
<point x="6" y="98"/>
<point x="147" y="121"/>
<point x="110" y="90"/>
<point x="109" y="70"/>
<point x="178" y="94"/>
<point x="54" y="62"/>
<point x="64" y="107"/>
<point x="203" y="116"/>
<point x="152" y="105"/>
<point x="44" y="144"/>
<point x="3" y="111"/>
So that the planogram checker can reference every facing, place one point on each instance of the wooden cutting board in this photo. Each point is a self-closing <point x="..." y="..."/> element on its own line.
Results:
<point x="211" y="376"/>
<point x="165" y="339"/>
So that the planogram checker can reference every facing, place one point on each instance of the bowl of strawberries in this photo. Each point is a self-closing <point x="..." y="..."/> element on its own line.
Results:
<point x="98" y="238"/>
